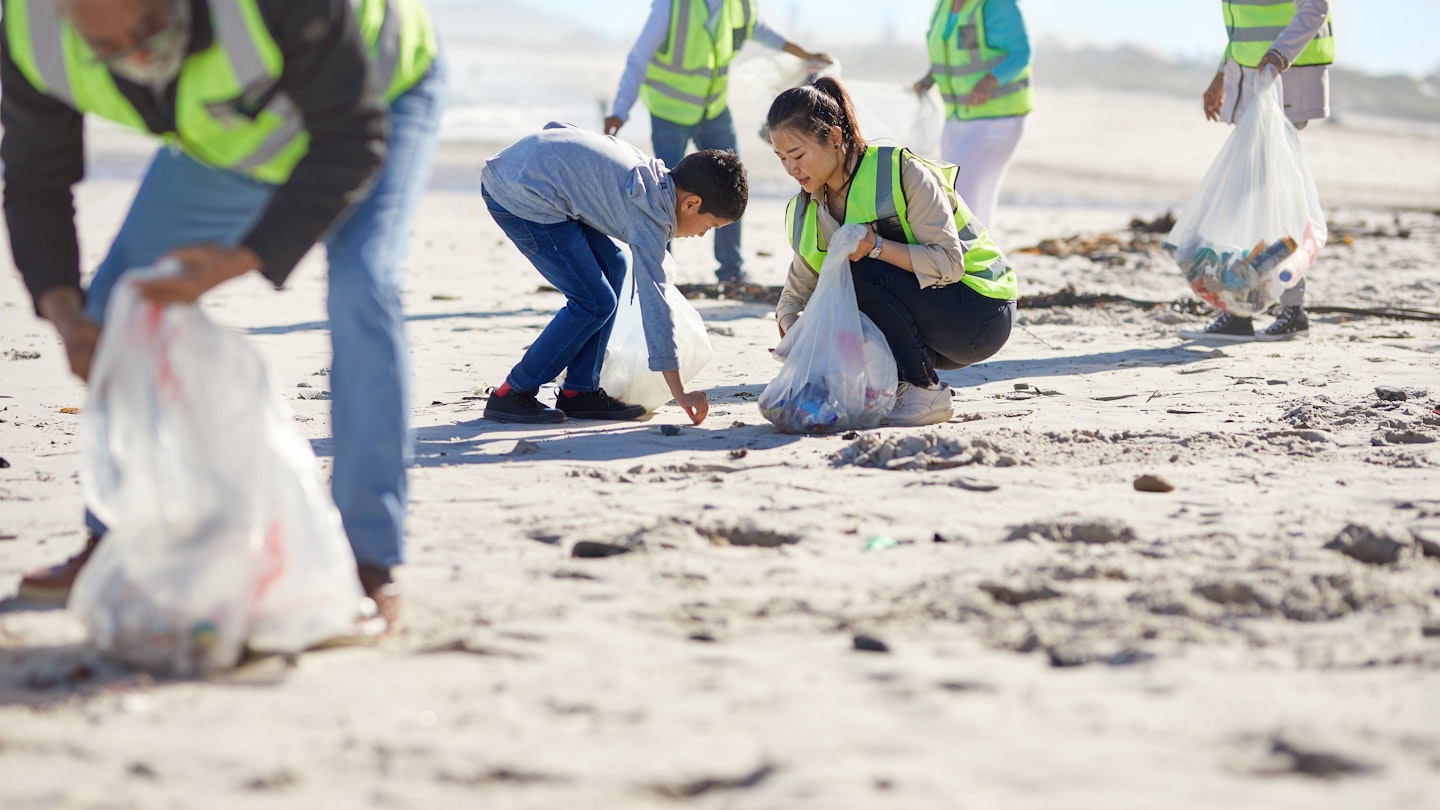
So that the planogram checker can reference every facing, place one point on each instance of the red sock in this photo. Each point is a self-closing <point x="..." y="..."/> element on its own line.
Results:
<point x="567" y="393"/>
<point x="503" y="390"/>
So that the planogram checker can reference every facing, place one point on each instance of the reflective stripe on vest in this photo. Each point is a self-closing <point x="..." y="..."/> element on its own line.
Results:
<point x="877" y="197"/>
<point x="960" y="55"/>
<point x="401" y="39"/>
<point x="688" y="80"/>
<point x="228" y="110"/>
<point x="1253" y="26"/>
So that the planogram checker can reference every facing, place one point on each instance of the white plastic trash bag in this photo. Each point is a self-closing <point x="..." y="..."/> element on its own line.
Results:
<point x="1254" y="226"/>
<point x="927" y="125"/>
<point x="838" y="372"/>
<point x="625" y="372"/>
<point x="219" y="536"/>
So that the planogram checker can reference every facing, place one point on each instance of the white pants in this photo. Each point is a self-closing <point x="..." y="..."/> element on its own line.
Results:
<point x="982" y="148"/>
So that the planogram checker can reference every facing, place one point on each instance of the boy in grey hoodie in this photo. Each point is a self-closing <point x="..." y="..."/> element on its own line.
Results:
<point x="561" y="195"/>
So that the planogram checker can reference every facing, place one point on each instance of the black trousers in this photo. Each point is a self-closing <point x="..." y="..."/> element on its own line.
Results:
<point x="936" y="328"/>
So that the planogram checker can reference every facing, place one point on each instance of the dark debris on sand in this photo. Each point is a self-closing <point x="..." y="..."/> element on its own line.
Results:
<point x="1142" y="244"/>
<point x="1070" y="297"/>
<point x="742" y="291"/>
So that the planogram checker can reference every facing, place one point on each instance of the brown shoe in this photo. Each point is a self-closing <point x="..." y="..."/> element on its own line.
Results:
<point x="380" y="612"/>
<point x="384" y="591"/>
<point x="51" y="586"/>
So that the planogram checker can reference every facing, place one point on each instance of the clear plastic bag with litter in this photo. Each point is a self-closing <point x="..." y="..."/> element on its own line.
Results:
<point x="838" y="372"/>
<point x="1254" y="226"/>
<point x="625" y="372"/>
<point x="219" y="535"/>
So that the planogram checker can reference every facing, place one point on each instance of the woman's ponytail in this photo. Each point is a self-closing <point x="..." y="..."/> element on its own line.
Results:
<point x="849" y="125"/>
<point x="815" y="108"/>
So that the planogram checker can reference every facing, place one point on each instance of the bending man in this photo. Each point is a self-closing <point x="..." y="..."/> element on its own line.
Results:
<point x="274" y="112"/>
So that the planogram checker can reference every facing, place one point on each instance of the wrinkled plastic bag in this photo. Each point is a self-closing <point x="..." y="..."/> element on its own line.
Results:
<point x="1254" y="225"/>
<point x="625" y="372"/>
<point x="838" y="372"/>
<point x="219" y="536"/>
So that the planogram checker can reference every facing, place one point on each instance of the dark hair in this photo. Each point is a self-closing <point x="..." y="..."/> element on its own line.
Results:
<point x="717" y="177"/>
<point x="813" y="109"/>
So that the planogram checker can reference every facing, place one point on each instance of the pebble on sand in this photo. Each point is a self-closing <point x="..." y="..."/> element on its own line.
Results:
<point x="1369" y="546"/>
<point x="1153" y="483"/>
<point x="590" y="549"/>
<point x="865" y="643"/>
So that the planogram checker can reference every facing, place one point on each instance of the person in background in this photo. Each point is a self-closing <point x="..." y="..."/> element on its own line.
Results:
<point x="980" y="58"/>
<point x="927" y="272"/>
<point x="680" y="68"/>
<point x="1296" y="39"/>
<point x="289" y="122"/>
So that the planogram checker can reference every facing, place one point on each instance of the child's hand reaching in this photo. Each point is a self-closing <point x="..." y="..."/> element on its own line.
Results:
<point x="696" y="405"/>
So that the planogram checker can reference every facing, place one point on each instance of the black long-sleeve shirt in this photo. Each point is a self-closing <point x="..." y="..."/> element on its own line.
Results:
<point x="326" y="75"/>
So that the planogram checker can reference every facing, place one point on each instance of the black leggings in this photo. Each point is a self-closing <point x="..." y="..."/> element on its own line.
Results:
<point x="939" y="327"/>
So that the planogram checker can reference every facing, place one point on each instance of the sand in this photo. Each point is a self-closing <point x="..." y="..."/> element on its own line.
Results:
<point x="1040" y="632"/>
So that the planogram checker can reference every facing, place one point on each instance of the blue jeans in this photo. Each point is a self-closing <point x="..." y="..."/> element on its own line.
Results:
<point x="670" y="141"/>
<point x="589" y="269"/>
<point x="182" y="201"/>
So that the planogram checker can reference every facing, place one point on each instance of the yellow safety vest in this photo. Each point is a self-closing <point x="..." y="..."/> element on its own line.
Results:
<point x="877" y="197"/>
<point x="960" y="56"/>
<point x="228" y="113"/>
<point x="1254" y="24"/>
<point x="688" y="81"/>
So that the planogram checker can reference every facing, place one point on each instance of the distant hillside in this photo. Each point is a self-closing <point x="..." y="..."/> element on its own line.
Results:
<point x="1390" y="96"/>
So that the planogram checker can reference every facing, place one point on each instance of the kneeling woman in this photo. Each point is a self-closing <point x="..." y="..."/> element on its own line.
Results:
<point x="926" y="272"/>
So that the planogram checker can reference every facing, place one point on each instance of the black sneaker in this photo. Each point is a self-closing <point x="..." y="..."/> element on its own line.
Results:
<point x="520" y="406"/>
<point x="1292" y="322"/>
<point x="1227" y="327"/>
<point x="597" y="405"/>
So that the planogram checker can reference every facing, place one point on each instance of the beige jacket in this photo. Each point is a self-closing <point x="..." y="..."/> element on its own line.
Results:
<point x="937" y="256"/>
<point x="1306" y="90"/>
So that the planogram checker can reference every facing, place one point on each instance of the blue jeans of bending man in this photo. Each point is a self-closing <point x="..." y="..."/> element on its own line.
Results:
<point x="182" y="201"/>
<point x="589" y="269"/>
<point x="670" y="141"/>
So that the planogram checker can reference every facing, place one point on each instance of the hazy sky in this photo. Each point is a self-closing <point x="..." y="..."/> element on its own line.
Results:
<point x="1376" y="36"/>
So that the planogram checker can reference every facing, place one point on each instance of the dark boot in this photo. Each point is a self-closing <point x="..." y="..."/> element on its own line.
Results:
<point x="384" y="591"/>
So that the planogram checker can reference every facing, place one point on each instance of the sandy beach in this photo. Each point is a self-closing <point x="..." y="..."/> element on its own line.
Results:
<point x="1027" y="629"/>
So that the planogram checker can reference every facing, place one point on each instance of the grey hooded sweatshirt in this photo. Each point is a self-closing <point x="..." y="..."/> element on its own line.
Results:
<point x="567" y="173"/>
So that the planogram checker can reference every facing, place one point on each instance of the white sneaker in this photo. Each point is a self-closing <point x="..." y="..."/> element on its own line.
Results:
<point x="920" y="406"/>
